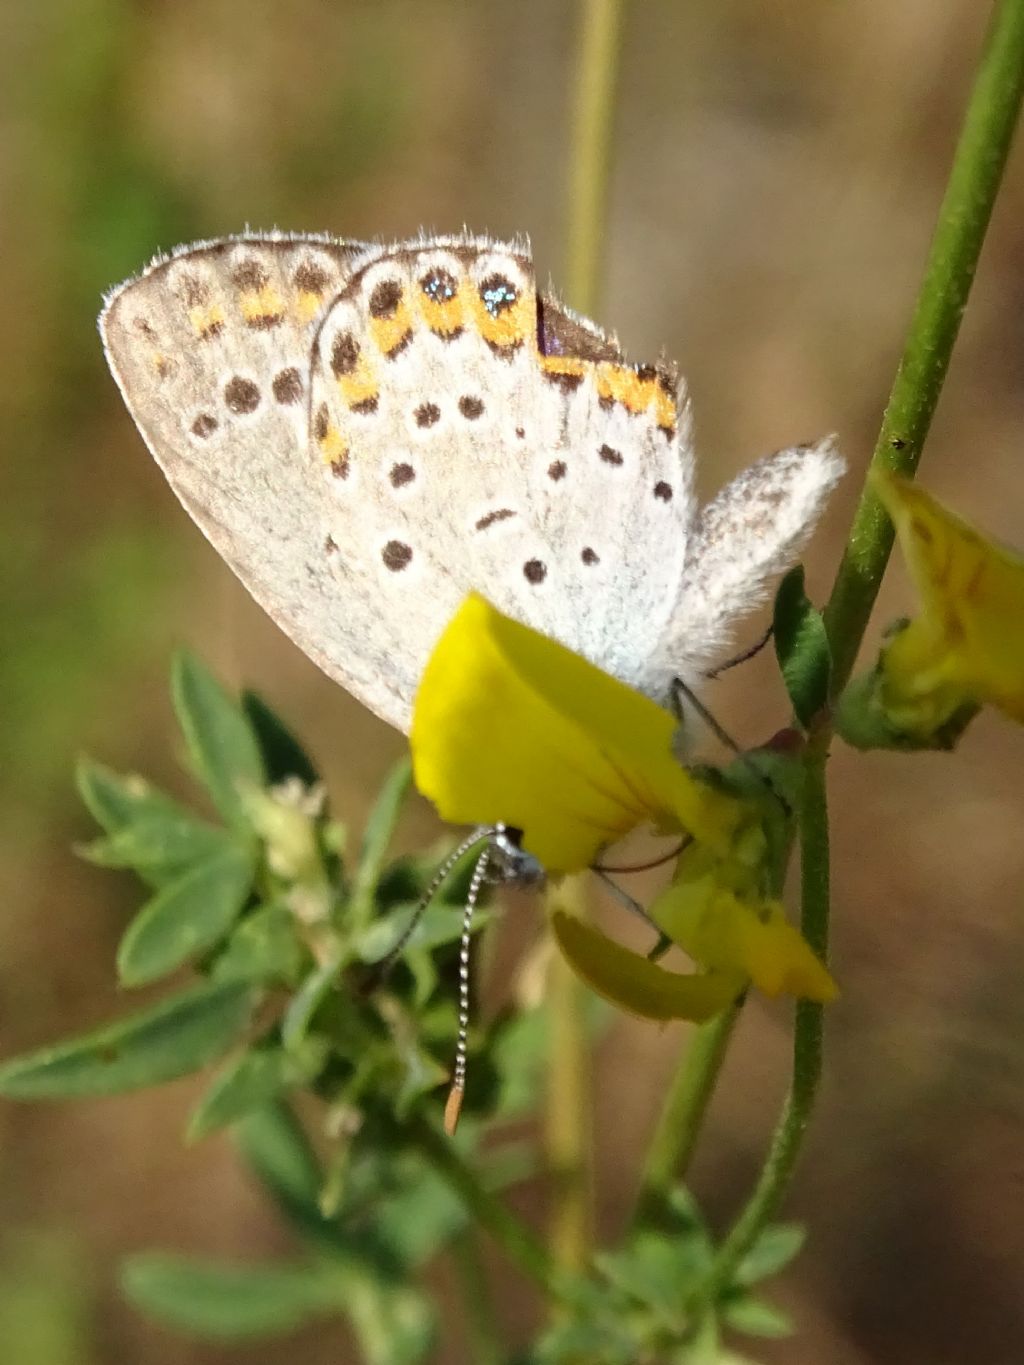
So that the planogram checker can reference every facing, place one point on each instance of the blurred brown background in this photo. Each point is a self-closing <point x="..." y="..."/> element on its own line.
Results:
<point x="778" y="169"/>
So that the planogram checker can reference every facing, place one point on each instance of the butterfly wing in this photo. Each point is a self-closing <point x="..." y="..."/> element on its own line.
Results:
<point x="471" y="436"/>
<point x="211" y="349"/>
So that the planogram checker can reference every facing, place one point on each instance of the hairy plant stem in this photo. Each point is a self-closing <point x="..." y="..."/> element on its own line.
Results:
<point x="978" y="165"/>
<point x="683" y="1111"/>
<point x="974" y="181"/>
<point x="597" y="66"/>
<point x="807" y="1035"/>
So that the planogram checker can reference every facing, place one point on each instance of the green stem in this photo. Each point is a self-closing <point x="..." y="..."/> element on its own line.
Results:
<point x="976" y="174"/>
<point x="682" y="1115"/>
<point x="974" y="181"/>
<point x="597" y="67"/>
<point x="807" y="1037"/>
<point x="567" y="1118"/>
<point x="517" y="1240"/>
<point x="482" y="1331"/>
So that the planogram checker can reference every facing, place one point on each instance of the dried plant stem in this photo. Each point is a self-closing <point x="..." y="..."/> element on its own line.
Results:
<point x="974" y="181"/>
<point x="569" y="1110"/>
<point x="597" y="64"/>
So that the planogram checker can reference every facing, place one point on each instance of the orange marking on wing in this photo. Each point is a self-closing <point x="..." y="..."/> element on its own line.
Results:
<point x="206" y="320"/>
<point x="333" y="446"/>
<point x="559" y="365"/>
<point x="307" y="305"/>
<point x="511" y="327"/>
<point x="258" y="305"/>
<point x="444" y="317"/>
<point x="390" y="333"/>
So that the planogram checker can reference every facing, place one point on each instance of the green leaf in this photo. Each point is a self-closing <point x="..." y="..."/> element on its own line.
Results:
<point x="221" y="742"/>
<point x="283" y="755"/>
<point x="251" y="1082"/>
<point x="773" y="1250"/>
<point x="439" y="924"/>
<point x="307" y="1000"/>
<point x="174" y="1038"/>
<point x="393" y="1324"/>
<point x="114" y="800"/>
<point x="376" y="837"/>
<point x="157" y="847"/>
<point x="276" y="1146"/>
<point x="229" y="1302"/>
<point x="756" y="1317"/>
<point x="801" y="647"/>
<point x="186" y="917"/>
<point x="265" y="948"/>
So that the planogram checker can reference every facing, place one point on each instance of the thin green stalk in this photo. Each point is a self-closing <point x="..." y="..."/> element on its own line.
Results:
<point x="682" y="1115"/>
<point x="976" y="174"/>
<point x="807" y="1037"/>
<point x="568" y="1136"/>
<point x="974" y="181"/>
<point x="483" y="1333"/>
<point x="597" y="66"/>
<point x="517" y="1240"/>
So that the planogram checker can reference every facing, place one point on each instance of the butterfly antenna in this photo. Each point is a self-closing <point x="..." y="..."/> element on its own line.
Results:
<point x="483" y="833"/>
<point x="742" y="657"/>
<point x="454" y="1105"/>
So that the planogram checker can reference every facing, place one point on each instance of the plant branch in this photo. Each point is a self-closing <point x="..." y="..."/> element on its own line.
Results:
<point x="682" y="1115"/>
<point x="974" y="181"/>
<point x="807" y="1037"/>
<point x="512" y="1235"/>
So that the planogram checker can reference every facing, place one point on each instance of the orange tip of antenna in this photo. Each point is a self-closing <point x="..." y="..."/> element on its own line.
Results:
<point x="453" y="1109"/>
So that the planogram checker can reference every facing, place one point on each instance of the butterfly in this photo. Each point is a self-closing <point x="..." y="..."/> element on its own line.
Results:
<point x="366" y="433"/>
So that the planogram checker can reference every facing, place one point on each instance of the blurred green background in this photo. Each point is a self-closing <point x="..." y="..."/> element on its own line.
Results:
<point x="777" y="173"/>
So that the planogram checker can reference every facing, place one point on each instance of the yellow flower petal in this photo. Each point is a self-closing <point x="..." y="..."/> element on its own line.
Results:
<point x="968" y="642"/>
<point x="724" y="933"/>
<point x="636" y="985"/>
<point x="512" y="727"/>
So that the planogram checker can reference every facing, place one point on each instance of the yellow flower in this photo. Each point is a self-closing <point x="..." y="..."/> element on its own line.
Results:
<point x="967" y="645"/>
<point x="716" y="914"/>
<point x="510" y="727"/>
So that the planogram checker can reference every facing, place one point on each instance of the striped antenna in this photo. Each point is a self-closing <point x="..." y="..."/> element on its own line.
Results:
<point x="454" y="1106"/>
<point x="484" y="833"/>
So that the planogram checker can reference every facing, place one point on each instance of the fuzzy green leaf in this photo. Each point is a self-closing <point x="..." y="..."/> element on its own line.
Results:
<point x="756" y="1317"/>
<point x="283" y="755"/>
<point x="276" y="1145"/>
<point x="265" y="949"/>
<point x="220" y="739"/>
<point x="115" y="800"/>
<point x="157" y="847"/>
<point x="376" y="837"/>
<point x="186" y="917"/>
<point x="773" y="1250"/>
<point x="253" y="1081"/>
<point x="230" y="1302"/>
<point x="801" y="647"/>
<point x="169" y="1040"/>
